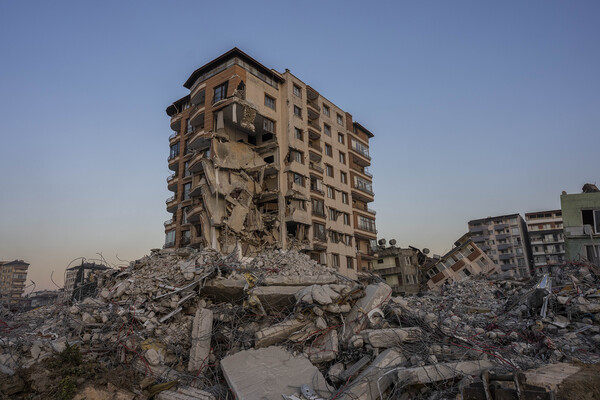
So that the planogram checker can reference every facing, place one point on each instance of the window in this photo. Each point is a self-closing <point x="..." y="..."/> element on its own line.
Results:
<point x="319" y="232"/>
<point x="342" y="158"/>
<point x="363" y="184"/>
<point x="189" y="128"/>
<point x="344" y="197"/>
<point x="174" y="151"/>
<point x="316" y="184"/>
<point x="184" y="212"/>
<point x="329" y="170"/>
<point x="366" y="224"/>
<point x="297" y="91"/>
<point x="330" y="192"/>
<point x="297" y="111"/>
<point x="341" y="138"/>
<point x="186" y="237"/>
<point x="332" y="214"/>
<point x="186" y="191"/>
<point x="360" y="148"/>
<point x="592" y="253"/>
<point x="592" y="218"/>
<point x="325" y="110"/>
<point x="328" y="150"/>
<point x="220" y="92"/>
<point x="346" y="219"/>
<point x="268" y="125"/>
<point x="348" y="240"/>
<point x="349" y="262"/>
<point x="298" y="179"/>
<point x="296" y="155"/>
<point x="327" y="129"/>
<point x="343" y="177"/>
<point x="298" y="134"/>
<point x="269" y="101"/>
<point x="340" y="120"/>
<point x="170" y="238"/>
<point x="318" y="208"/>
<point x="335" y="260"/>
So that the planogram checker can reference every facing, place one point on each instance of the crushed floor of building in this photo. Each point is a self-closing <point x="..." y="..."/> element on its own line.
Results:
<point x="187" y="324"/>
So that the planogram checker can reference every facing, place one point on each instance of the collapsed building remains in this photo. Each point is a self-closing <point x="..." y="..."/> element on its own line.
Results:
<point x="197" y="324"/>
<point x="261" y="160"/>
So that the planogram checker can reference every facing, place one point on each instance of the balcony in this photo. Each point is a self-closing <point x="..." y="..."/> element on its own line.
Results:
<point x="200" y="140"/>
<point x="504" y="246"/>
<point x="312" y="144"/>
<point x="173" y="161"/>
<point x="176" y="122"/>
<point x="171" y="204"/>
<point x="364" y="187"/>
<point x="313" y="125"/>
<point x="193" y="214"/>
<point x="478" y="239"/>
<point x="315" y="167"/>
<point x="169" y="222"/>
<point x="172" y="183"/>
<point x="172" y="137"/>
<point x="477" y="229"/>
<point x="197" y="118"/>
<point x="314" y="111"/>
<point x="507" y="256"/>
<point x="500" y="227"/>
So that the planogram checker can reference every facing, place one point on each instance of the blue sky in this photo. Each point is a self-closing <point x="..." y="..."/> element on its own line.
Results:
<point x="478" y="109"/>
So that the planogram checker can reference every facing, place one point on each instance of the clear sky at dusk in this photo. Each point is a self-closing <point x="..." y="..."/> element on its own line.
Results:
<point x="478" y="109"/>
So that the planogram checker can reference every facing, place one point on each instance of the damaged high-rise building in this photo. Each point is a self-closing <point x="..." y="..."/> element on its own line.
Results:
<point x="262" y="160"/>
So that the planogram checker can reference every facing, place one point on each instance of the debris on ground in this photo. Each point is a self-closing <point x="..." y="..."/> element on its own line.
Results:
<point x="195" y="324"/>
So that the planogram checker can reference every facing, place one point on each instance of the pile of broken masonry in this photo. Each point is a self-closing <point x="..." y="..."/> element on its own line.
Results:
<point x="281" y="326"/>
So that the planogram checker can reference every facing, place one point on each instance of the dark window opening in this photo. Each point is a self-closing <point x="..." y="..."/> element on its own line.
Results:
<point x="220" y="92"/>
<point x="269" y="159"/>
<point x="267" y="136"/>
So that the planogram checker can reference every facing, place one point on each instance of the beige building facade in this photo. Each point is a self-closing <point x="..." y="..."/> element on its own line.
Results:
<point x="13" y="275"/>
<point x="400" y="268"/>
<point x="262" y="160"/>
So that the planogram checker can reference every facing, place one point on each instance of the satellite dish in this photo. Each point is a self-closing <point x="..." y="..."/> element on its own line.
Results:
<point x="392" y="242"/>
<point x="381" y="242"/>
<point x="425" y="250"/>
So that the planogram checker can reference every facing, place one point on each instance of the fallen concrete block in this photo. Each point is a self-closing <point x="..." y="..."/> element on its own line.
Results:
<point x="278" y="332"/>
<point x="300" y="280"/>
<point x="184" y="393"/>
<point x="230" y="290"/>
<point x="375" y="296"/>
<point x="324" y="348"/>
<point x="201" y="335"/>
<point x="390" y="337"/>
<point x="270" y="373"/>
<point x="376" y="378"/>
<point x="441" y="372"/>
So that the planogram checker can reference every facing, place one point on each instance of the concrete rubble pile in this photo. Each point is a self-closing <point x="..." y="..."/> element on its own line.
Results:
<point x="197" y="324"/>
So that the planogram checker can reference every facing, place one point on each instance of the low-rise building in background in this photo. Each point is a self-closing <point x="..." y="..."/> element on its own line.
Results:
<point x="400" y="267"/>
<point x="13" y="275"/>
<point x="581" y="220"/>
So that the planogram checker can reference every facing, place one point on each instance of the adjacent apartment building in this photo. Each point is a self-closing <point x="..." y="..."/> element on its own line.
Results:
<point x="260" y="159"/>
<point x="13" y="275"/>
<point x="545" y="230"/>
<point x="505" y="240"/>
<point x="581" y="219"/>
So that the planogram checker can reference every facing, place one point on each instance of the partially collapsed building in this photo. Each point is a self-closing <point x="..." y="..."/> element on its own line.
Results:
<point x="13" y="275"/>
<point x="262" y="160"/>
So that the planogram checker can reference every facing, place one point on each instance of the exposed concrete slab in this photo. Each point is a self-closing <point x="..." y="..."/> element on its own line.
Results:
<point x="385" y="338"/>
<point x="375" y="296"/>
<point x="376" y="378"/>
<point x="269" y="373"/>
<point x="229" y="290"/>
<point x="201" y="335"/>
<point x="278" y="332"/>
<point x="300" y="280"/>
<point x="442" y="371"/>
<point x="276" y="297"/>
<point x="551" y="376"/>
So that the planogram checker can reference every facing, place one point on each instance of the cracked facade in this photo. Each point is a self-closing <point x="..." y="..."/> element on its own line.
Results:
<point x="262" y="160"/>
<point x="13" y="275"/>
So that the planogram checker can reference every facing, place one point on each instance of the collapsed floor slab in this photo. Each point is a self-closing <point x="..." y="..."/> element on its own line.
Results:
<point x="270" y="373"/>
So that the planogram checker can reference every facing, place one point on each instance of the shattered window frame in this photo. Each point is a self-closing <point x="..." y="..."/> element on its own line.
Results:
<point x="298" y="179"/>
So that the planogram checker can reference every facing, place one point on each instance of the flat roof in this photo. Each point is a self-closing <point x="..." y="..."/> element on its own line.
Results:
<point x="235" y="52"/>
<point x="496" y="217"/>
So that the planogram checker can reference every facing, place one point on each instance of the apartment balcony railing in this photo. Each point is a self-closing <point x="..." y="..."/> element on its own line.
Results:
<point x="315" y="146"/>
<point x="367" y="173"/>
<point x="314" y="125"/>
<point x="313" y="104"/>
<point x="367" y="227"/>
<point x="363" y="151"/>
<point x="172" y="156"/>
<point x="371" y="211"/>
<point x="316" y="167"/>
<point x="173" y="136"/>
<point x="171" y="178"/>
<point x="168" y="222"/>
<point x="363" y="187"/>
<point x="388" y="271"/>
<point x="318" y="213"/>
